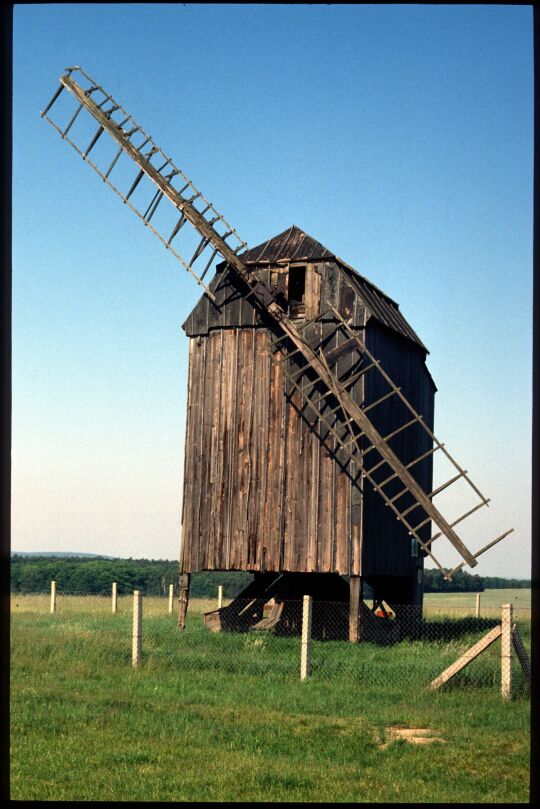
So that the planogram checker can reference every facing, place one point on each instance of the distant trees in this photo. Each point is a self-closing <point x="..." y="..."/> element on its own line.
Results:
<point x="94" y="575"/>
<point x="461" y="582"/>
<point x="499" y="583"/>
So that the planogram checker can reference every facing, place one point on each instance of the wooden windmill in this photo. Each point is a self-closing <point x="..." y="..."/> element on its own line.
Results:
<point x="309" y="440"/>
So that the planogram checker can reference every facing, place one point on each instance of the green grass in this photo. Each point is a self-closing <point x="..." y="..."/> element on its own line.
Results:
<point x="490" y="601"/>
<point x="224" y="717"/>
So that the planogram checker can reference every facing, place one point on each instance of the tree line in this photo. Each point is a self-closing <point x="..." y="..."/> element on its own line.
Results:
<point x="94" y="575"/>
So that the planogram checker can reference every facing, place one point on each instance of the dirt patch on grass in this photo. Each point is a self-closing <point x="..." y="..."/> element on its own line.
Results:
<point x="411" y="735"/>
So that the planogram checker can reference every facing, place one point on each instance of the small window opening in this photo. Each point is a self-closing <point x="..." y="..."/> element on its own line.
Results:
<point x="297" y="291"/>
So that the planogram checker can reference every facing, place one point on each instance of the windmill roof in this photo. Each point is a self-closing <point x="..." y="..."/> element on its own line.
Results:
<point x="291" y="245"/>
<point x="295" y="244"/>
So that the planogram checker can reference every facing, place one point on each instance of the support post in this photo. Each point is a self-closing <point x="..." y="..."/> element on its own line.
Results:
<point x="114" y="597"/>
<point x="137" y="628"/>
<point x="53" y="596"/>
<point x="220" y="596"/>
<point x="171" y="597"/>
<point x="506" y="651"/>
<point x="355" y="609"/>
<point x="183" y="597"/>
<point x="305" y="663"/>
<point x="477" y="611"/>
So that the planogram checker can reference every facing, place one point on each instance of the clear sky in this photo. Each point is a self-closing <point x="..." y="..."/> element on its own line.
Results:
<point x="401" y="137"/>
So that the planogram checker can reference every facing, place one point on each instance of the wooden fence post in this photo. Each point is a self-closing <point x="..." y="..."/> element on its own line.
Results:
<point x="305" y="663"/>
<point x="477" y="611"/>
<point x="506" y="651"/>
<point x="220" y="596"/>
<point x="53" y="596"/>
<point x="114" y="597"/>
<point x="171" y="596"/>
<point x="137" y="628"/>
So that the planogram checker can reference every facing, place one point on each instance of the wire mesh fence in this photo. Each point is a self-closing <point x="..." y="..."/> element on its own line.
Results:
<point x="399" y="646"/>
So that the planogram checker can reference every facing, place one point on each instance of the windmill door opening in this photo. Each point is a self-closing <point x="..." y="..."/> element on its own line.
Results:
<point x="297" y="292"/>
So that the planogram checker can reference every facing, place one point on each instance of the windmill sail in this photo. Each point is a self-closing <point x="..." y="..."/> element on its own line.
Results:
<point x="156" y="184"/>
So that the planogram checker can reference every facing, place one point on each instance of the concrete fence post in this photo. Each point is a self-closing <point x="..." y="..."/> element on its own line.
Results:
<point x="477" y="611"/>
<point x="506" y="651"/>
<point x="220" y="596"/>
<point x="137" y="628"/>
<point x="53" y="596"/>
<point x="305" y="662"/>
<point x="114" y="597"/>
<point x="171" y="596"/>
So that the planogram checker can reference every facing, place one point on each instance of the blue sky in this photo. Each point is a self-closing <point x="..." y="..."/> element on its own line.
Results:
<point x="399" y="136"/>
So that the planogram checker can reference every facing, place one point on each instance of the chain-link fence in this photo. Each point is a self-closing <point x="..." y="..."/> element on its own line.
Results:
<point x="279" y="640"/>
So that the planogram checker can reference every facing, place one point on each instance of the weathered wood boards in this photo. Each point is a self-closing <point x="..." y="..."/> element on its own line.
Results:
<point x="266" y="488"/>
<point x="260" y="493"/>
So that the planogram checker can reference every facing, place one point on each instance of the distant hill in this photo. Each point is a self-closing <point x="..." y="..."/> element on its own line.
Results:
<point x="62" y="554"/>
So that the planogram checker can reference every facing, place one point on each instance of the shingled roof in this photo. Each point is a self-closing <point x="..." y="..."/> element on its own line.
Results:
<point x="293" y="245"/>
<point x="296" y="245"/>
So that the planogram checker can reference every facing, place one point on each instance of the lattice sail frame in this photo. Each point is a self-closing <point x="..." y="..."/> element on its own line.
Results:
<point x="332" y="409"/>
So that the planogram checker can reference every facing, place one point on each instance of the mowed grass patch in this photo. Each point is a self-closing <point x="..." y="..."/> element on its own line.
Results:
<point x="490" y="602"/>
<point x="225" y="718"/>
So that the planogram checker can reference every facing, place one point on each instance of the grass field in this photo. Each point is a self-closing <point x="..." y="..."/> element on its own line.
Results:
<point x="225" y="717"/>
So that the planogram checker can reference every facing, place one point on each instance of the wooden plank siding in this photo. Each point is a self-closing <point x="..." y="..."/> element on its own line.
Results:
<point x="256" y="475"/>
<point x="262" y="491"/>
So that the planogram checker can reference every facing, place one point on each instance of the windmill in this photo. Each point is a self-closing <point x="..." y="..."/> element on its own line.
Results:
<point x="320" y="358"/>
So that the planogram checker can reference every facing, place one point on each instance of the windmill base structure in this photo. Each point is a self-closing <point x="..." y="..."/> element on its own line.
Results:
<point x="309" y="439"/>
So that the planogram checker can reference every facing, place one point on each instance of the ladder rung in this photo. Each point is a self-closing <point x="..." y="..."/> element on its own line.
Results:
<point x="377" y="465"/>
<point x="425" y="455"/>
<point x="72" y="121"/>
<point x="379" y="401"/>
<point x="136" y="182"/>
<point x="115" y="158"/>
<point x="120" y="125"/>
<point x="420" y="524"/>
<point x="51" y="102"/>
<point x="148" y="215"/>
<point x="142" y="145"/>
<point x="298" y="372"/>
<point x="94" y="141"/>
<point x="181" y="222"/>
<point x="148" y="156"/>
<point x="209" y="263"/>
<point x="396" y="496"/>
<point x="438" y="490"/>
<point x="160" y="169"/>
<point x="354" y="440"/>
<point x="400" y="429"/>
<point x="355" y="377"/>
<point x="200" y="248"/>
<point x="482" y="550"/>
<point x="463" y="517"/>
<point x="448" y="483"/>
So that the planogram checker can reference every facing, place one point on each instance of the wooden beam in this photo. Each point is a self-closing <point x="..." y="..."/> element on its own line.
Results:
<point x="466" y="658"/>
<point x="521" y="652"/>
<point x="183" y="597"/>
<point x="355" y="609"/>
<point x="506" y="651"/>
